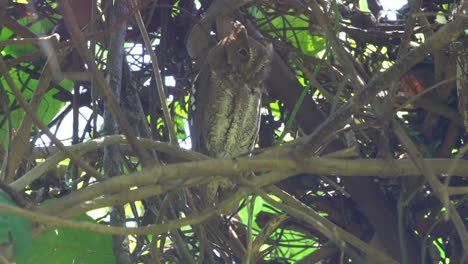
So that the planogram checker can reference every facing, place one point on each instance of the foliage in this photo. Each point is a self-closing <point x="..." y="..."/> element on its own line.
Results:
<point x="66" y="245"/>
<point x="15" y="229"/>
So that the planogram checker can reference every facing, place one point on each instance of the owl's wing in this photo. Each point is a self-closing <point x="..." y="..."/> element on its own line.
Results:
<point x="204" y="91"/>
<point x="197" y="108"/>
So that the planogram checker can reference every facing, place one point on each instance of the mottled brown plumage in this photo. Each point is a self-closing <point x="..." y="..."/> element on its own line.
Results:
<point x="228" y="92"/>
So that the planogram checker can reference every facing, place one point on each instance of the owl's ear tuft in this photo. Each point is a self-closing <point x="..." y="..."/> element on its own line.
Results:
<point x="238" y="28"/>
<point x="239" y="33"/>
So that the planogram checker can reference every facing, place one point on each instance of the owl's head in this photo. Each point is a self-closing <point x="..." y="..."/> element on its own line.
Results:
<point x="245" y="55"/>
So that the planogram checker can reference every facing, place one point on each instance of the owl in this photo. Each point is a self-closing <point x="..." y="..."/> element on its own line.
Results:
<point x="227" y="99"/>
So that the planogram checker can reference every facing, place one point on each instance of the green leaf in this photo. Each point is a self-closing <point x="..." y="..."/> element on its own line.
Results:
<point x="48" y="108"/>
<point x="16" y="228"/>
<point x="295" y="246"/>
<point x="296" y="31"/>
<point x="363" y="6"/>
<point x="258" y="207"/>
<point x="66" y="245"/>
<point x="5" y="33"/>
<point x="41" y="27"/>
<point x="180" y="127"/>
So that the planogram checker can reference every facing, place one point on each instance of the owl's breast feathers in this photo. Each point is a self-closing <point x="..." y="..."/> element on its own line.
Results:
<point x="228" y="95"/>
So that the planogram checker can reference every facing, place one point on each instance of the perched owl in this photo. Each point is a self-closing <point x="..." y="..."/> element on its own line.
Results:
<point x="227" y="98"/>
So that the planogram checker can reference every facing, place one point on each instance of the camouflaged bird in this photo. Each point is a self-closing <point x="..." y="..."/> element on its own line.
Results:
<point x="227" y="99"/>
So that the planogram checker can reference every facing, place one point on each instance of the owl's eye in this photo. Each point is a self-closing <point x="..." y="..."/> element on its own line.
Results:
<point x="243" y="52"/>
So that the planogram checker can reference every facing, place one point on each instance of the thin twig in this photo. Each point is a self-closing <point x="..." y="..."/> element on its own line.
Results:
<point x="106" y="93"/>
<point x="336" y="234"/>
<point x="38" y="122"/>
<point x="440" y="191"/>
<point x="457" y="191"/>
<point x="336" y="121"/>
<point x="157" y="74"/>
<point x="26" y="41"/>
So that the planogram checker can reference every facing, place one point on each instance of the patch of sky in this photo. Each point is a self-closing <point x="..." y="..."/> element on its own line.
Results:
<point x="391" y="6"/>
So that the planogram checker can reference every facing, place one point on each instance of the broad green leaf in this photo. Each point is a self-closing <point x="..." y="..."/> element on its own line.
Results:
<point x="296" y="30"/>
<point x="66" y="245"/>
<point x="295" y="245"/>
<point x="363" y="6"/>
<point x="40" y="27"/>
<point x="244" y="213"/>
<point x="16" y="228"/>
<point x="5" y="33"/>
<point x="48" y="108"/>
